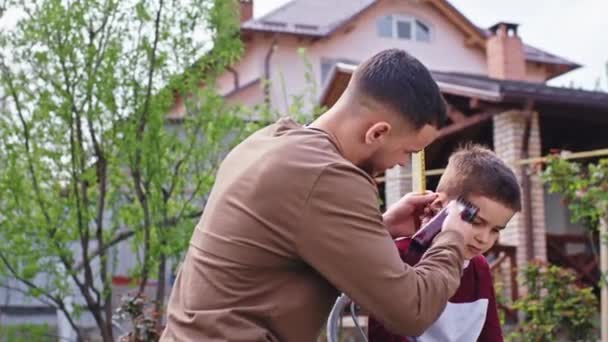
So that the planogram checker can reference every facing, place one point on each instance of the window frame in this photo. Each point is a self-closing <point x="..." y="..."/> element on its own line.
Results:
<point x="412" y="21"/>
<point x="427" y="25"/>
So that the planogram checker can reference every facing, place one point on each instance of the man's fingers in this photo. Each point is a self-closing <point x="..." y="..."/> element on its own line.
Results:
<point x="453" y="209"/>
<point x="451" y="206"/>
<point x="454" y="222"/>
<point x="421" y="199"/>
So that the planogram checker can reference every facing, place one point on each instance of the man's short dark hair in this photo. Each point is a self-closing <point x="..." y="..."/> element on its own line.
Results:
<point x="396" y="79"/>
<point x="476" y="170"/>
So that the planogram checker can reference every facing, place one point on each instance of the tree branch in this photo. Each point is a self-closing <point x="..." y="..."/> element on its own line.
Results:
<point x="80" y="194"/>
<point x="139" y="133"/>
<point x="104" y="248"/>
<point x="41" y="204"/>
<point x="27" y="138"/>
<point x="56" y="301"/>
<point x="25" y="293"/>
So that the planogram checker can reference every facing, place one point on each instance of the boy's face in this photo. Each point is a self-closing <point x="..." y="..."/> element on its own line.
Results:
<point x="492" y="217"/>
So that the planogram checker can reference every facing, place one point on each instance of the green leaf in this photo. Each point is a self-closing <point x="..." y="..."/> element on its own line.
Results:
<point x="141" y="12"/>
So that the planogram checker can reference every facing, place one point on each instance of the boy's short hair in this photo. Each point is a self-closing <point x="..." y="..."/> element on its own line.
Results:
<point x="476" y="170"/>
<point x="396" y="79"/>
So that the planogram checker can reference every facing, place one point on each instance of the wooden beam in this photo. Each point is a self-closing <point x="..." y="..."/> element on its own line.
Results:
<point x="496" y="263"/>
<point x="576" y="155"/>
<point x="558" y="251"/>
<point x="474" y="103"/>
<point x="455" y="115"/>
<point x="568" y="238"/>
<point x="458" y="19"/>
<point x="471" y="41"/>
<point x="463" y="124"/>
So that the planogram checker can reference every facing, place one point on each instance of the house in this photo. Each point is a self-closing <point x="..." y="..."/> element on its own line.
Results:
<point x="494" y="83"/>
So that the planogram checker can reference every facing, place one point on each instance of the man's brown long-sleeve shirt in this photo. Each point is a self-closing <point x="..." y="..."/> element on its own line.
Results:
<point x="288" y="222"/>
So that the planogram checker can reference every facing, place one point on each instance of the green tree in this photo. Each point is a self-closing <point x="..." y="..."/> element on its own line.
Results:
<point x="88" y="157"/>
<point x="583" y="187"/>
<point x="553" y="305"/>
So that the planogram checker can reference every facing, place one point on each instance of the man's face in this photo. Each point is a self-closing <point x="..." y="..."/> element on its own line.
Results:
<point x="397" y="147"/>
<point x="492" y="217"/>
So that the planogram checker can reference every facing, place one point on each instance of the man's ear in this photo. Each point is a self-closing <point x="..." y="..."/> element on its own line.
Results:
<point x="377" y="132"/>
<point x="440" y="202"/>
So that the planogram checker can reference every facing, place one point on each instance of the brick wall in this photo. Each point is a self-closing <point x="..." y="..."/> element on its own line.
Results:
<point x="508" y="135"/>
<point x="505" y="55"/>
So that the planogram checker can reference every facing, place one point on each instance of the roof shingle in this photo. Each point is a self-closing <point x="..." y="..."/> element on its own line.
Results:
<point x="309" y="17"/>
<point x="320" y="18"/>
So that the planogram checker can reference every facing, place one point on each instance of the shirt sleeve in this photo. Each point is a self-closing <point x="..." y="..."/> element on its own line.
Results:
<point x="344" y="239"/>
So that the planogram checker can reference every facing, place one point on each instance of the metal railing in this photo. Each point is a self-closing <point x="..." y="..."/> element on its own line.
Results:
<point x="335" y="318"/>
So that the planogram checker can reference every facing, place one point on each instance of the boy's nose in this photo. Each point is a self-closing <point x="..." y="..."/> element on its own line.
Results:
<point x="482" y="236"/>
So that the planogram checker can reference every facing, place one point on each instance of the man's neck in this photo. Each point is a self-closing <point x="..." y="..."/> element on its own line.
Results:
<point x="341" y="132"/>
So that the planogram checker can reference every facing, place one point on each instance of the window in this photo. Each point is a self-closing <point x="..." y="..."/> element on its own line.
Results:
<point x="402" y="27"/>
<point x="423" y="32"/>
<point x="385" y="26"/>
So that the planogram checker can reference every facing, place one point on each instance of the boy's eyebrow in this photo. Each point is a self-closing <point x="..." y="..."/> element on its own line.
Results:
<point x="486" y="221"/>
<point x="481" y="218"/>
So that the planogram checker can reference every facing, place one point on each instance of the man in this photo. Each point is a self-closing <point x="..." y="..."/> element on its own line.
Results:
<point x="293" y="218"/>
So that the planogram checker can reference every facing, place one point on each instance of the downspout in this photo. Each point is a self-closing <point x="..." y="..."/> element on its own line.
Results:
<point x="235" y="76"/>
<point x="525" y="180"/>
<point x="273" y="47"/>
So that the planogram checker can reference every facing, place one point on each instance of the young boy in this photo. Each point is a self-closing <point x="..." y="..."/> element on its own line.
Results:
<point x="483" y="179"/>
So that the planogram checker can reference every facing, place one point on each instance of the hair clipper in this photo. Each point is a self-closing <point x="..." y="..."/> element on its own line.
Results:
<point x="423" y="238"/>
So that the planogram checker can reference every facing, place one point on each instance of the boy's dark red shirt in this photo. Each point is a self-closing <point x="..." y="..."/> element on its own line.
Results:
<point x="471" y="314"/>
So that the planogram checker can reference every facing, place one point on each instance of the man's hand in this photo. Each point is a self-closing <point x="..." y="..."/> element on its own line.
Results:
<point x="403" y="217"/>
<point x="454" y="222"/>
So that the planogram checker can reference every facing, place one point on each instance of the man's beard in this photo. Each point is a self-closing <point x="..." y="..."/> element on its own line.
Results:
<point x="370" y="168"/>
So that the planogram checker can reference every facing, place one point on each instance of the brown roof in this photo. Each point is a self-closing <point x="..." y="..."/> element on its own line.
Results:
<point x="509" y="90"/>
<point x="537" y="55"/>
<point x="320" y="18"/>
<point x="489" y="89"/>
<point x="317" y="18"/>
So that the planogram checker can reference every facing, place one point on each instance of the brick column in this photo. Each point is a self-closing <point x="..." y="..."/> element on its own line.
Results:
<point x="508" y="139"/>
<point x="397" y="184"/>
<point x="539" y="232"/>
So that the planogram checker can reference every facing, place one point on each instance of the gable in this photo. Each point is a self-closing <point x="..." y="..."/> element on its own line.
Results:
<point x="351" y="42"/>
<point x="322" y="18"/>
<point x="362" y="37"/>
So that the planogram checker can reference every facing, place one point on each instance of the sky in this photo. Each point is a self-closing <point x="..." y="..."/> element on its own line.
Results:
<point x="574" y="29"/>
